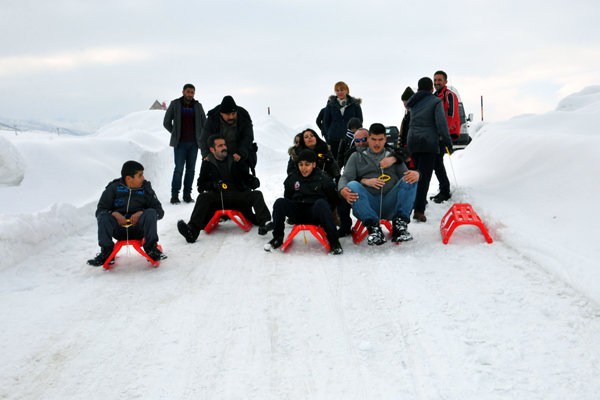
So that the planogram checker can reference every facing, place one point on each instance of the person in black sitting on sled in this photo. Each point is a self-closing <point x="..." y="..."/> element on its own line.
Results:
<point x="128" y="209"/>
<point x="309" y="198"/>
<point x="224" y="183"/>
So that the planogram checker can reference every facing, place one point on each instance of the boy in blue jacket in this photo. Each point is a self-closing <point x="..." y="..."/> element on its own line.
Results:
<point x="128" y="209"/>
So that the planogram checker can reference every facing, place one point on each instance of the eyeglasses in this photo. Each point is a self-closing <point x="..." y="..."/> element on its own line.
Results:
<point x="361" y="140"/>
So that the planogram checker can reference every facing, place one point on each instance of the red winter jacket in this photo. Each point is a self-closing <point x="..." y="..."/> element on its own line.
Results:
<point x="450" y="101"/>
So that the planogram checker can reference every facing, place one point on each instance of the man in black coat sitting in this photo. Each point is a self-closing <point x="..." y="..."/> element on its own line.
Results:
<point x="309" y="198"/>
<point x="224" y="183"/>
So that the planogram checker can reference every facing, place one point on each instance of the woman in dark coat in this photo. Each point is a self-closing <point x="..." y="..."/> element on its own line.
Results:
<point x="325" y="161"/>
<point x="339" y="110"/>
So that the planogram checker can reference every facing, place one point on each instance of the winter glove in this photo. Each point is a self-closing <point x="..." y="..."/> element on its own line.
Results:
<point x="449" y="149"/>
<point x="253" y="182"/>
<point x="219" y="186"/>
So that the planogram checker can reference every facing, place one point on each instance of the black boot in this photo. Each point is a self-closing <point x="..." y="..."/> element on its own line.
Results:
<point x="400" y="232"/>
<point x="186" y="231"/>
<point x="375" y="236"/>
<point x="336" y="248"/>
<point x="275" y="243"/>
<point x="101" y="258"/>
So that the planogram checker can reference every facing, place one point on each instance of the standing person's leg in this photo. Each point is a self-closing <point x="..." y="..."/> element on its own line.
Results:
<point x="424" y="163"/>
<point x="440" y="172"/>
<point x="334" y="147"/>
<point x="190" y="170"/>
<point x="179" y="156"/>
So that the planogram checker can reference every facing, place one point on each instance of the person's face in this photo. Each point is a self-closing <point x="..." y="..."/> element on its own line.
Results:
<point x="405" y="101"/>
<point x="439" y="82"/>
<point x="136" y="181"/>
<point x="361" y="139"/>
<point x="188" y="94"/>
<point x="229" y="117"/>
<point x="376" y="142"/>
<point x="296" y="141"/>
<point x="341" y="93"/>
<point x="309" y="139"/>
<point x="306" y="168"/>
<point x="220" y="150"/>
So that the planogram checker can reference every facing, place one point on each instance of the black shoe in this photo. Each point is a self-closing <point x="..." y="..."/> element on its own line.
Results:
<point x="275" y="243"/>
<point x="441" y="197"/>
<point x="175" y="199"/>
<point x="400" y="232"/>
<point x="417" y="216"/>
<point x="342" y="232"/>
<point x="264" y="228"/>
<point x="375" y="236"/>
<point x="336" y="248"/>
<point x="187" y="198"/>
<point x="101" y="258"/>
<point x="186" y="231"/>
<point x="155" y="254"/>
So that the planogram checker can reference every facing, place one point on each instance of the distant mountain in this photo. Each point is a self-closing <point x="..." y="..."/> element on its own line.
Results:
<point x="59" y="126"/>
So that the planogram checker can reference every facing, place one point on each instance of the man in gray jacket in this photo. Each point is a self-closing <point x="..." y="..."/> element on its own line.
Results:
<point x="428" y="126"/>
<point x="379" y="191"/>
<point x="184" y="119"/>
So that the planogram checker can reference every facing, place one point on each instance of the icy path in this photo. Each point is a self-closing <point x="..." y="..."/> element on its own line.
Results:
<point x="222" y="319"/>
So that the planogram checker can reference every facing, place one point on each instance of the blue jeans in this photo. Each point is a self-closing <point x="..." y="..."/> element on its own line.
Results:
<point x="186" y="154"/>
<point x="146" y="228"/>
<point x="397" y="203"/>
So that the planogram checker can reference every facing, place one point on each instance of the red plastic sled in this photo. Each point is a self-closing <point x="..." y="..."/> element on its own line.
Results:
<point x="461" y="214"/>
<point x="137" y="244"/>
<point x="317" y="232"/>
<point x="235" y="216"/>
<point x="359" y="232"/>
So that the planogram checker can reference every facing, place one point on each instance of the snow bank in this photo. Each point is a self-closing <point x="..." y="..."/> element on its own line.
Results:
<point x="12" y="164"/>
<point x="532" y="181"/>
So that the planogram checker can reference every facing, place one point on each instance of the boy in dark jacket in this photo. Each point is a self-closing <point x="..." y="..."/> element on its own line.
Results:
<point x="128" y="209"/>
<point x="309" y="198"/>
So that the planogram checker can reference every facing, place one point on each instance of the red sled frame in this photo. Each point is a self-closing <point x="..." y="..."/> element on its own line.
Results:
<point x="359" y="232"/>
<point x="461" y="214"/>
<point x="316" y="230"/>
<point x="235" y="216"/>
<point x="137" y="244"/>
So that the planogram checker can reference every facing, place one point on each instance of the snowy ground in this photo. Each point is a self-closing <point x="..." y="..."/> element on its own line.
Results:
<point x="222" y="319"/>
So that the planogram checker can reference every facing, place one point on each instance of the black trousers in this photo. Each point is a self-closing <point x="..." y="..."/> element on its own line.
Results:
<point x="318" y="213"/>
<point x="424" y="163"/>
<point x="208" y="203"/>
<point x="440" y="171"/>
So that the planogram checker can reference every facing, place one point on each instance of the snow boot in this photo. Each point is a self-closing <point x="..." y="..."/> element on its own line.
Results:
<point x="187" y="198"/>
<point x="275" y="243"/>
<point x="417" y="216"/>
<point x="155" y="254"/>
<point x="400" y="232"/>
<point x="375" y="236"/>
<point x="265" y="228"/>
<point x="186" y="231"/>
<point x="175" y="199"/>
<point x="336" y="248"/>
<point x="440" y="197"/>
<point x="101" y="258"/>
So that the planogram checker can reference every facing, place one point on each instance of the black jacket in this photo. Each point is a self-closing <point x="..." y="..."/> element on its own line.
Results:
<point x="209" y="175"/>
<point x="317" y="185"/>
<point x="245" y="132"/>
<point x="118" y="197"/>
<point x="335" y="124"/>
<point x="325" y="160"/>
<point x="427" y="123"/>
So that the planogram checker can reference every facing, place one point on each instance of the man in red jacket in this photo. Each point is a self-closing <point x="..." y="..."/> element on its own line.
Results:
<point x="450" y="100"/>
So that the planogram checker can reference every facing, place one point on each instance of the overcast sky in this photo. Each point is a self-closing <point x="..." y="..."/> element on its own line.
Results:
<point x="94" y="60"/>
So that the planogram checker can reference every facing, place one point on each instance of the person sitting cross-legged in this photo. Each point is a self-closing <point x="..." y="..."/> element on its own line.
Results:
<point x="224" y="183"/>
<point x="309" y="198"/>
<point x="379" y="191"/>
<point x="128" y="209"/>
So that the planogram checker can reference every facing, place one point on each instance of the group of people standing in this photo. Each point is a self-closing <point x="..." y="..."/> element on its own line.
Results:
<point x="350" y="169"/>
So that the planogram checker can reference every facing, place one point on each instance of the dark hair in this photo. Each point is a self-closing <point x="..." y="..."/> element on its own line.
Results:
<point x="408" y="93"/>
<point x="188" y="86"/>
<point x="307" y="155"/>
<point x="319" y="140"/>
<point x="131" y="168"/>
<point x="441" y="73"/>
<point x="354" y="123"/>
<point x="299" y="136"/>
<point x="425" y="84"/>
<point x="376" y="129"/>
<point x="212" y="138"/>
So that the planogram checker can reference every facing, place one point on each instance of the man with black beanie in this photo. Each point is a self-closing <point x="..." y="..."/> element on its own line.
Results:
<point x="428" y="126"/>
<point x="309" y="198"/>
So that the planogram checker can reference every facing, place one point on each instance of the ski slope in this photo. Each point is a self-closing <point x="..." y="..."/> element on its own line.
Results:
<point x="222" y="319"/>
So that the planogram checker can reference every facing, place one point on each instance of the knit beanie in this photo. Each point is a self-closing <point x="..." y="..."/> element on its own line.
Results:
<point x="307" y="155"/>
<point x="408" y="92"/>
<point x="228" y="105"/>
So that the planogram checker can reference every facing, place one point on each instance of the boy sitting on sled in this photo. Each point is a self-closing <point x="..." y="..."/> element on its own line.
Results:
<point x="309" y="198"/>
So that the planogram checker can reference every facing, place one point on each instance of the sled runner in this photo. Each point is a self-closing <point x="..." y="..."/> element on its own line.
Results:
<point x="316" y="230"/>
<point x="235" y="216"/>
<point x="461" y="214"/>
<point x="137" y="244"/>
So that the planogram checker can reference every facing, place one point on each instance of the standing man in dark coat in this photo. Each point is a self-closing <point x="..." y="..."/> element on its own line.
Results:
<point x="235" y="125"/>
<point x="222" y="184"/>
<point x="428" y="126"/>
<point x="184" y="119"/>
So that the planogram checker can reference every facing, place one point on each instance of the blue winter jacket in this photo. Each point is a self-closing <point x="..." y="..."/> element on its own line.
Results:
<point x="427" y="123"/>
<point x="335" y="124"/>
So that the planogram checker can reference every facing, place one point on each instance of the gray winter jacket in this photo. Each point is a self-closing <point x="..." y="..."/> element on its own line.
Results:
<point x="427" y="123"/>
<point x="172" y="121"/>
<point x="365" y="164"/>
